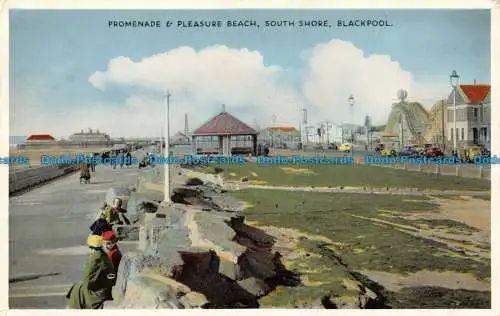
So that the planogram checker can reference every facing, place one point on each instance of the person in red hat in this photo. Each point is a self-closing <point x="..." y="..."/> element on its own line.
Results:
<point x="110" y="245"/>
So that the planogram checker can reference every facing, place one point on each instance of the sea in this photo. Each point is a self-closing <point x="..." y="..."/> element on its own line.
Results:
<point x="15" y="140"/>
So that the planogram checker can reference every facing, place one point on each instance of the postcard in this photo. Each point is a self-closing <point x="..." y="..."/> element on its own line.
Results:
<point x="305" y="158"/>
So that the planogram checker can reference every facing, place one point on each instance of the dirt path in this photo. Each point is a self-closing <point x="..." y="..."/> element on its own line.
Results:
<point x="356" y="190"/>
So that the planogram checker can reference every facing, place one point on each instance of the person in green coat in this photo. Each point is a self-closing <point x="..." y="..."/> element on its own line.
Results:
<point x="98" y="279"/>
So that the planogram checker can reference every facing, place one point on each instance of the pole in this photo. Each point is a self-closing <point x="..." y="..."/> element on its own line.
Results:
<point x="402" y="131"/>
<point x="442" y="125"/>
<point x="327" y="134"/>
<point x="167" y="150"/>
<point x="454" y="133"/>
<point x="342" y="132"/>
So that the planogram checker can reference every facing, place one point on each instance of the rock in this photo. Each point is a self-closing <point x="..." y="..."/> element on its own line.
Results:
<point x="187" y="192"/>
<point x="214" y="228"/>
<point x="244" y="179"/>
<point x="256" y="264"/>
<point x="194" y="181"/>
<point x="228" y="269"/>
<point x="194" y="300"/>
<point x="147" y="207"/>
<point x="151" y="290"/>
<point x="256" y="287"/>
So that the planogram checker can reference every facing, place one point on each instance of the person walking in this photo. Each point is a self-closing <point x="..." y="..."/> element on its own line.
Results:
<point x="84" y="173"/>
<point x="98" y="279"/>
<point x="129" y="159"/>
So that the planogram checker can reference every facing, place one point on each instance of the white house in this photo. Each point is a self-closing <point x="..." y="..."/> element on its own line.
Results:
<point x="473" y="115"/>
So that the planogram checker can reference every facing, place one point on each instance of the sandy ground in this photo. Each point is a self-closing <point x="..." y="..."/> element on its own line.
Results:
<point x="34" y="154"/>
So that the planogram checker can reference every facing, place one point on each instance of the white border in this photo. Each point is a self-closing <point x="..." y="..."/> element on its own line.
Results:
<point x="239" y="4"/>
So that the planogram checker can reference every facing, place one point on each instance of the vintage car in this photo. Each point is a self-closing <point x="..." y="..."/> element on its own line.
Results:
<point x="345" y="148"/>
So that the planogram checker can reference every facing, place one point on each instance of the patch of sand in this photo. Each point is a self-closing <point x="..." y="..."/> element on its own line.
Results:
<point x="257" y="182"/>
<point x="470" y="211"/>
<point x="298" y="170"/>
<point x="447" y="279"/>
<point x="254" y="174"/>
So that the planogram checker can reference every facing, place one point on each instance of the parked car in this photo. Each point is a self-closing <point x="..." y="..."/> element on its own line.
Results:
<point x="345" y="148"/>
<point x="409" y="151"/>
<point x="388" y="152"/>
<point x="433" y="152"/>
<point x="473" y="151"/>
<point x="332" y="146"/>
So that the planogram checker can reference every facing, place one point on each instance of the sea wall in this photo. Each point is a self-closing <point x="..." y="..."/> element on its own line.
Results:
<point x="23" y="179"/>
<point x="199" y="253"/>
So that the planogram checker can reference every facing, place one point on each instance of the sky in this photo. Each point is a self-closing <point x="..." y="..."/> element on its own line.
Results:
<point x="70" y="71"/>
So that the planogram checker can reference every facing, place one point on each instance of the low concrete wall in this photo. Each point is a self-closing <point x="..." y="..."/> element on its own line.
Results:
<point x="22" y="179"/>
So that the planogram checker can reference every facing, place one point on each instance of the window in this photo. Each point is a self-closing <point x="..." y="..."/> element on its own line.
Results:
<point x="451" y="133"/>
<point x="462" y="133"/>
<point x="476" y="110"/>
<point x="456" y="132"/>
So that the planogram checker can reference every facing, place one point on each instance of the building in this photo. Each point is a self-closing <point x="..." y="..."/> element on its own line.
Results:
<point x="89" y="137"/>
<point x="39" y="138"/>
<point x="436" y="125"/>
<point x="226" y="135"/>
<point x="407" y="124"/>
<point x="280" y="136"/>
<point x="473" y="115"/>
<point x="179" y="139"/>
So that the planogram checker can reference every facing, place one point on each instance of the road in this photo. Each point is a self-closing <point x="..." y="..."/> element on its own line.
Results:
<point x="48" y="227"/>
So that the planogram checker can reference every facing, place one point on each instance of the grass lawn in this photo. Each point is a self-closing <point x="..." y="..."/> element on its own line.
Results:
<point x="363" y="244"/>
<point x="347" y="175"/>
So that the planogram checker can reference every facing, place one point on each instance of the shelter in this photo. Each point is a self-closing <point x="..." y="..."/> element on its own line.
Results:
<point x="40" y="138"/>
<point x="226" y="129"/>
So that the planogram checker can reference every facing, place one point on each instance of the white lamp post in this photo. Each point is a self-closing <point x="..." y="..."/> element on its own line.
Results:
<point x="166" y="129"/>
<point x="454" y="82"/>
<point x="350" y="100"/>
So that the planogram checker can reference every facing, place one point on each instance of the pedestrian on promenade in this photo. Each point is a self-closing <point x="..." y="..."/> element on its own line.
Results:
<point x="98" y="279"/>
<point x="84" y="173"/>
<point x="129" y="159"/>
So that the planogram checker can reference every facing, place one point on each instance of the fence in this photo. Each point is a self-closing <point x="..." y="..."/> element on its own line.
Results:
<point x="459" y="170"/>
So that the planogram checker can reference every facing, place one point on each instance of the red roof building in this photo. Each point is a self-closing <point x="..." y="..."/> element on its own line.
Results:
<point x="475" y="94"/>
<point x="284" y="129"/>
<point x="40" y="137"/>
<point x="469" y="115"/>
<point x="224" y="126"/>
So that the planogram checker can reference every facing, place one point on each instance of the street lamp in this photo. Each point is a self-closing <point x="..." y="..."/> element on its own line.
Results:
<point x="454" y="82"/>
<point x="166" y="198"/>
<point x="350" y="100"/>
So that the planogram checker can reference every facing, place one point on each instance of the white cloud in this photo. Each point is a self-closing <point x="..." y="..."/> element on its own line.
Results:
<point x="338" y="69"/>
<point x="200" y="81"/>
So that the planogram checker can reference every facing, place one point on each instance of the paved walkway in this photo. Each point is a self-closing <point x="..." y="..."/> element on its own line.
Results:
<point x="48" y="227"/>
